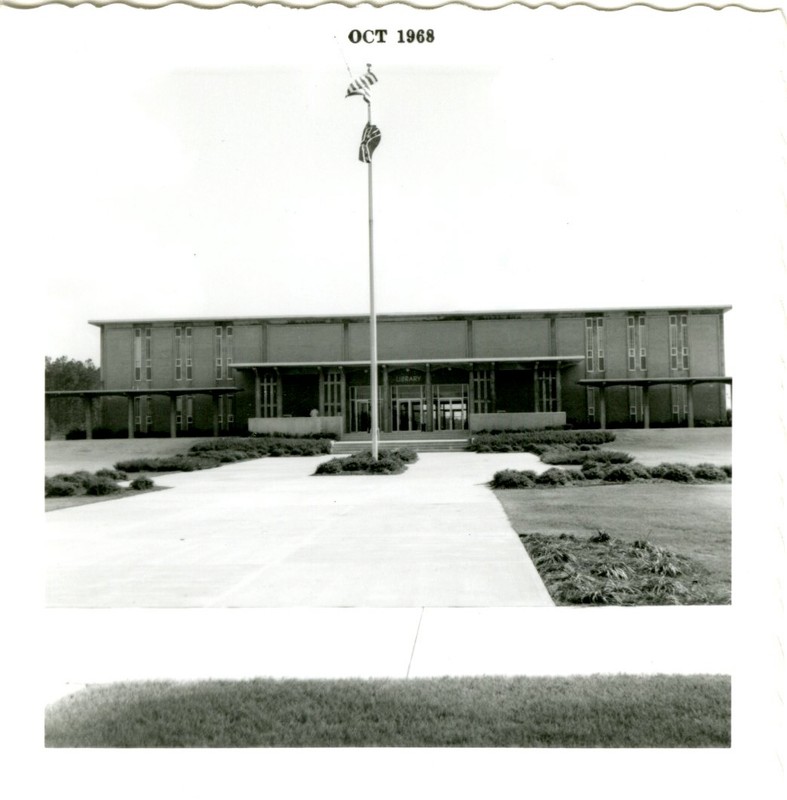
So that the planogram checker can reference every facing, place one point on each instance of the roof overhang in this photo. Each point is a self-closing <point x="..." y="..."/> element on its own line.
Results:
<point x="142" y="392"/>
<point x="690" y="381"/>
<point x="412" y="362"/>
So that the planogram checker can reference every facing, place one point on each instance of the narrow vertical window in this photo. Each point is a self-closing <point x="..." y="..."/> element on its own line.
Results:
<point x="137" y="354"/>
<point x="679" y="341"/>
<point x="594" y="344"/>
<point x="228" y="351"/>
<point x="178" y="354"/>
<point x="148" y="355"/>
<point x="643" y="355"/>
<point x="217" y="352"/>
<point x="631" y="343"/>
<point x="187" y="355"/>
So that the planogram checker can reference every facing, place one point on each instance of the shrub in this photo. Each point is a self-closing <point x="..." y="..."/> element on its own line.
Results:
<point x="81" y="479"/>
<point x="535" y="441"/>
<point x="608" y="457"/>
<point x="57" y="487"/>
<point x="680" y="473"/>
<point x="113" y="474"/>
<point x="141" y="483"/>
<point x="709" y="472"/>
<point x="624" y="473"/>
<point x="727" y="470"/>
<point x="553" y="477"/>
<point x="102" y="486"/>
<point x="389" y="462"/>
<point x="594" y="472"/>
<point x="514" y="479"/>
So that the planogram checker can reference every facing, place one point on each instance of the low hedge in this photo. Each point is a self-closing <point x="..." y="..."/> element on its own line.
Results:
<point x="213" y="452"/>
<point x="583" y="455"/>
<point x="142" y="483"/>
<point x="600" y="472"/>
<point x="389" y="462"/>
<point x="535" y="441"/>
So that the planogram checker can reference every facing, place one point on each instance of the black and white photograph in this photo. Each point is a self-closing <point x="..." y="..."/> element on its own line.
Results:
<point x="391" y="362"/>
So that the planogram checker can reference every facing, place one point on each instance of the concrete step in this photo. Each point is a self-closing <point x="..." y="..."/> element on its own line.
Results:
<point x="419" y="445"/>
<point x="402" y="436"/>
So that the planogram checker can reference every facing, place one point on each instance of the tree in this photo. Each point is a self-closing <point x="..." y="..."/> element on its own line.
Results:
<point x="64" y="373"/>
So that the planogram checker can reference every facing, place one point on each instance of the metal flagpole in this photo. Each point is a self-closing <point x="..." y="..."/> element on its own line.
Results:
<point x="372" y="318"/>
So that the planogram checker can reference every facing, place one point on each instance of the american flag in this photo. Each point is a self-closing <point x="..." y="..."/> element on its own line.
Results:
<point x="361" y="86"/>
<point x="369" y="141"/>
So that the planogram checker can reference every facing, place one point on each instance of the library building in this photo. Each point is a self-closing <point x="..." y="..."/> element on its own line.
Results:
<point x="439" y="375"/>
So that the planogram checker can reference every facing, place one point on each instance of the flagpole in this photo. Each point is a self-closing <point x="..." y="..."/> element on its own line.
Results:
<point x="372" y="317"/>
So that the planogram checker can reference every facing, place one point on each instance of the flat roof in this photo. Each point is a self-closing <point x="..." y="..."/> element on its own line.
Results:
<point x="413" y="315"/>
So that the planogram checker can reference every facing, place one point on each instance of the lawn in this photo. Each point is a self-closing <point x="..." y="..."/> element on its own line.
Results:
<point x="595" y="711"/>
<point x="691" y="520"/>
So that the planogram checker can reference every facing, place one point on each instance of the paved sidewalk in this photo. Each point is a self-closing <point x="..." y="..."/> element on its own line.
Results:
<point x="105" y="646"/>
<point x="267" y="533"/>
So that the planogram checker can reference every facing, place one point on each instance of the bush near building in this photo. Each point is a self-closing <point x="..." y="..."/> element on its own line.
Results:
<point x="389" y="462"/>
<point x="537" y="442"/>
<point x="213" y="452"/>
<point x="598" y="472"/>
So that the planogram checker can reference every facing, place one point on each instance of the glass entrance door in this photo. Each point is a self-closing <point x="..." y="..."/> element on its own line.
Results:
<point x="450" y="407"/>
<point x="407" y="415"/>
<point x="408" y="410"/>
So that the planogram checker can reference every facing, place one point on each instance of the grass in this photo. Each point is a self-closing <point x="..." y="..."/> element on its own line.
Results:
<point x="595" y="711"/>
<point x="691" y="520"/>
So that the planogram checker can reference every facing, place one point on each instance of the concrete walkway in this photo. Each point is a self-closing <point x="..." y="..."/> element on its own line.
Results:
<point x="267" y="533"/>
<point x="105" y="646"/>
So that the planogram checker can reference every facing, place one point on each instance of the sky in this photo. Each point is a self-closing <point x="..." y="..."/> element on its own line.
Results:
<point x="204" y="164"/>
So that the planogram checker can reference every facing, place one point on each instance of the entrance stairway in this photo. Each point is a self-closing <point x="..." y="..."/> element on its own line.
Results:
<point x="420" y="441"/>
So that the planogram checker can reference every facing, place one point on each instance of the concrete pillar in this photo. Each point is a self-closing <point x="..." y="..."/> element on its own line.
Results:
<point x="257" y="393"/>
<point x="385" y="421"/>
<point x="279" y="395"/>
<point x="173" y="416"/>
<point x="130" y="416"/>
<point x="47" y="419"/>
<point x="429" y="399"/>
<point x="215" y="399"/>
<point x="690" y="404"/>
<point x="321" y="391"/>
<point x="87" y="403"/>
<point x="602" y="407"/>
<point x="470" y="395"/>
<point x="646" y="406"/>
<point x="345" y="405"/>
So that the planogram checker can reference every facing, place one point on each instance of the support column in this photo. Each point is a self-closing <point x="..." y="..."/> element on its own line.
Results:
<point x="321" y="391"/>
<point x="429" y="399"/>
<point x="690" y="404"/>
<point x="215" y="399"/>
<point x="536" y="397"/>
<point x="47" y="419"/>
<point x="130" y="416"/>
<point x="257" y="393"/>
<point x="173" y="416"/>
<point x="345" y="405"/>
<point x="602" y="407"/>
<point x="646" y="406"/>
<point x="279" y="395"/>
<point x="385" y="422"/>
<point x="470" y="396"/>
<point x="492" y="390"/>
<point x="87" y="402"/>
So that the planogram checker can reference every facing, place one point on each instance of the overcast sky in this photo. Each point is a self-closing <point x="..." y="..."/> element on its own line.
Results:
<point x="204" y="164"/>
